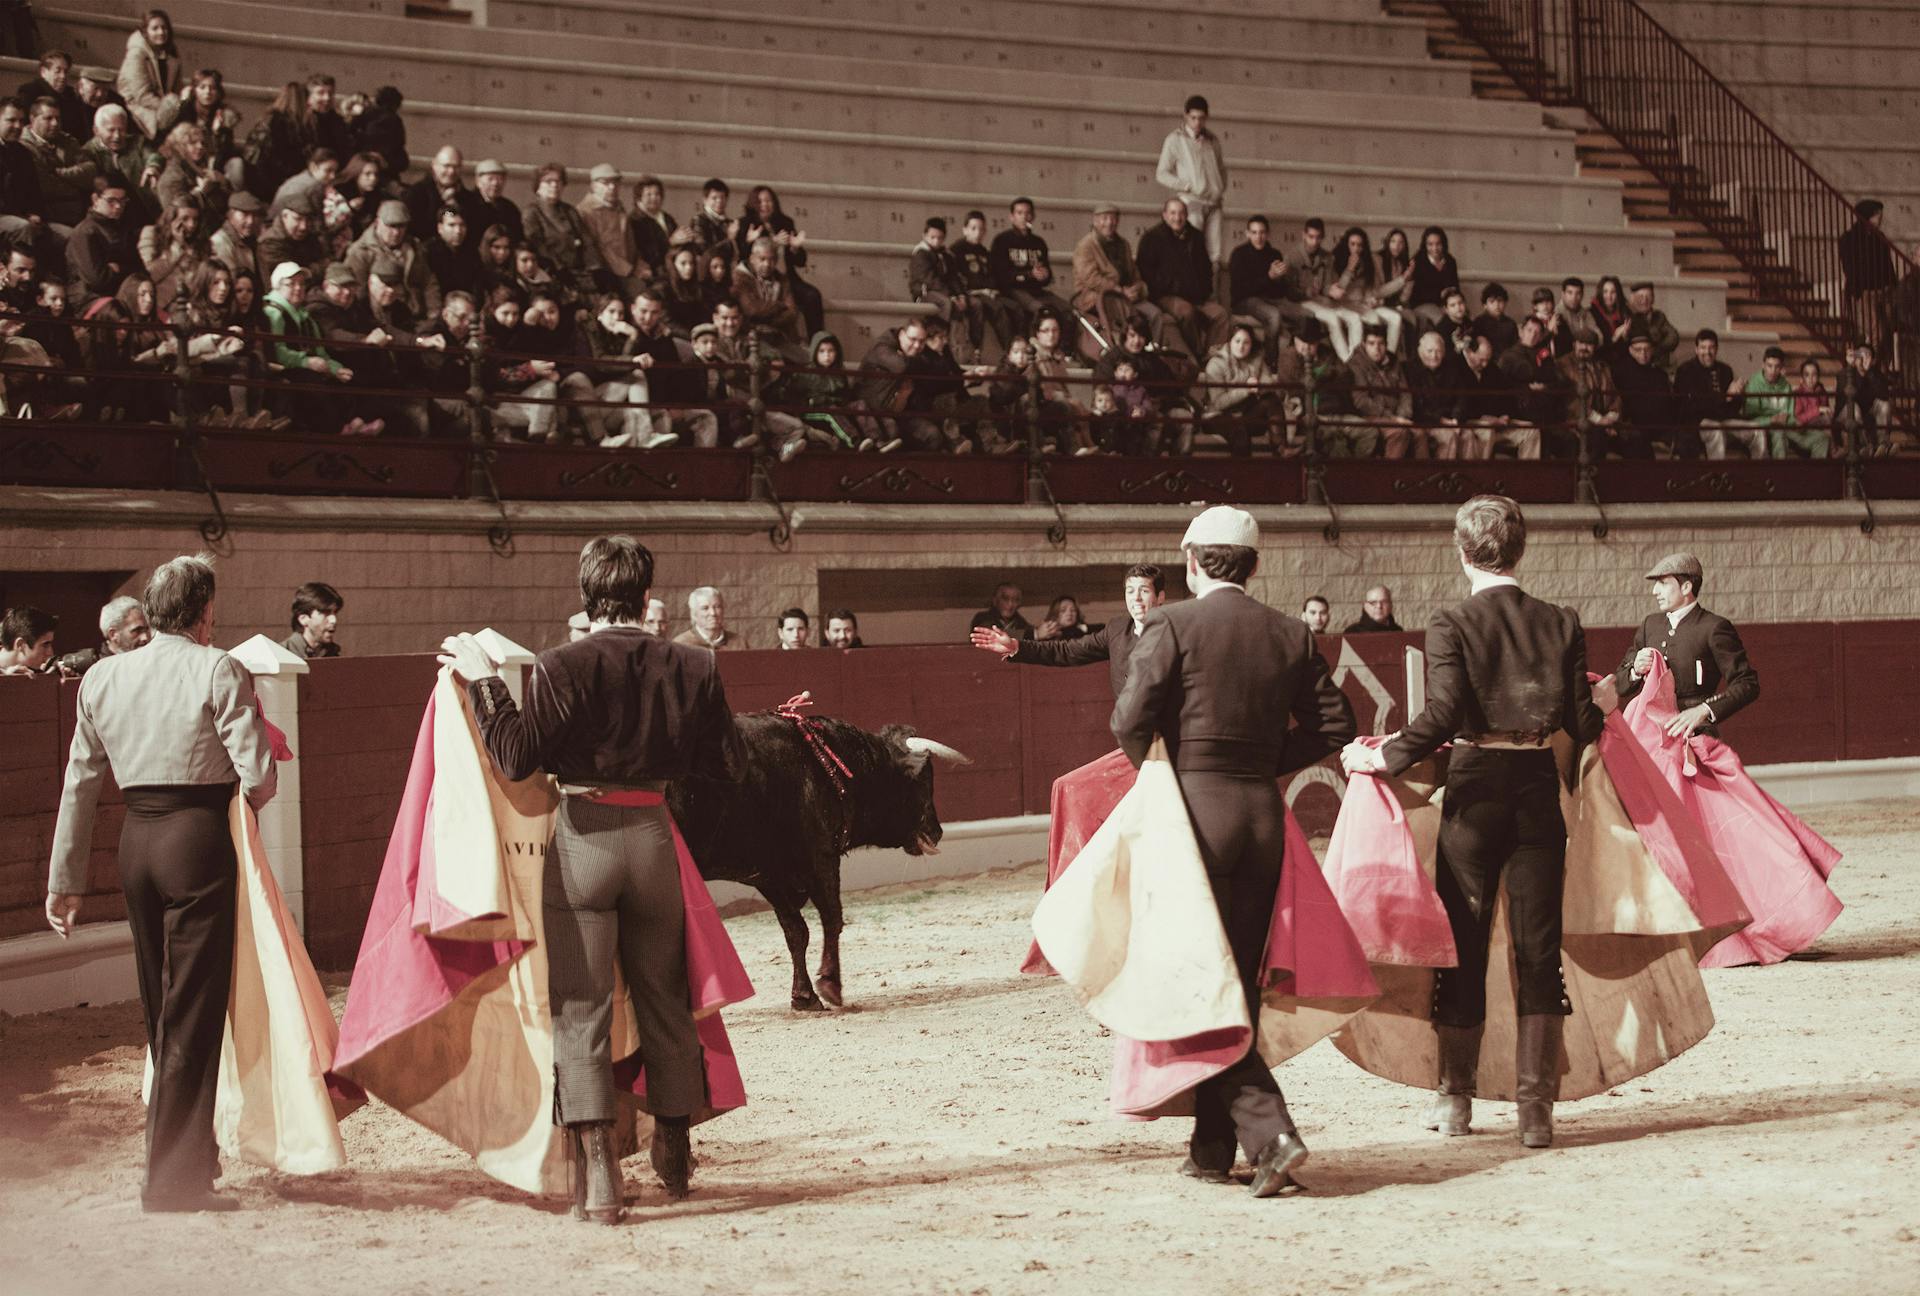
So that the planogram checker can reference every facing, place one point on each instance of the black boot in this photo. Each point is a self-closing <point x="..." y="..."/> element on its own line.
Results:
<point x="598" y="1193"/>
<point x="1452" y="1110"/>
<point x="1537" y="1076"/>
<point x="672" y="1154"/>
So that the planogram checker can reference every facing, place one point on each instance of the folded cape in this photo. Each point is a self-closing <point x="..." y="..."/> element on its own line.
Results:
<point x="1779" y="865"/>
<point x="1131" y="924"/>
<point x="448" y="1019"/>
<point x="1645" y="897"/>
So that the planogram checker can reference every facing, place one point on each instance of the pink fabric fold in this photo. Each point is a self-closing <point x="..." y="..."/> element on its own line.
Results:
<point x="1373" y="868"/>
<point x="1778" y="866"/>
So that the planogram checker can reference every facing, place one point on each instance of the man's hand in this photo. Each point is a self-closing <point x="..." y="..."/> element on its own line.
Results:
<point x="468" y="659"/>
<point x="1359" y="758"/>
<point x="1683" y="725"/>
<point x="995" y="640"/>
<point x="1040" y="274"/>
<point x="543" y="368"/>
<point x="1606" y="695"/>
<point x="379" y="337"/>
<point x="63" y="911"/>
<point x="1277" y="269"/>
<point x="316" y="365"/>
<point x="343" y="374"/>
<point x="1643" y="662"/>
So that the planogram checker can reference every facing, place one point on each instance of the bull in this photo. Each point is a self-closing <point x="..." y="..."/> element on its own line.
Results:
<point x="784" y="827"/>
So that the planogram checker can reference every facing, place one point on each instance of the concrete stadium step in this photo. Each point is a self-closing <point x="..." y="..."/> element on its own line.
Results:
<point x="1850" y="21"/>
<point x="1344" y="26"/>
<point x="1892" y="104"/>
<point x="1776" y="61"/>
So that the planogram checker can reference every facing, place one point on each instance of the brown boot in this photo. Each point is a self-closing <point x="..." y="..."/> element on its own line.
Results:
<point x="1452" y="1110"/>
<point x="598" y="1194"/>
<point x="672" y="1154"/>
<point x="1537" y="1075"/>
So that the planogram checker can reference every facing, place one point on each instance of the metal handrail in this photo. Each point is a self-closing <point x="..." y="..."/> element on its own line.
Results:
<point x="1724" y="166"/>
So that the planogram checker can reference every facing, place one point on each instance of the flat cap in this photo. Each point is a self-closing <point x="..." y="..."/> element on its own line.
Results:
<point x="246" y="202"/>
<point x="1223" y="525"/>
<point x="388" y="271"/>
<point x="1677" y="564"/>
<point x="604" y="171"/>
<point x="97" y="75"/>
<point x="1107" y="209"/>
<point x="338" y="273"/>
<point x="394" y="212"/>
<point x="491" y="166"/>
<point x="704" y="330"/>
<point x="302" y="201"/>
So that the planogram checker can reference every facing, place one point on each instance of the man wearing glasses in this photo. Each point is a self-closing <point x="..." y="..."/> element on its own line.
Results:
<point x="1377" y="616"/>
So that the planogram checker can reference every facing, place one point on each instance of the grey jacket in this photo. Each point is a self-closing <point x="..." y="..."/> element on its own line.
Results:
<point x="173" y="713"/>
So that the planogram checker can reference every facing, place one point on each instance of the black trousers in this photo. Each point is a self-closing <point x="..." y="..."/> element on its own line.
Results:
<point x="1240" y="824"/>
<point x="613" y="891"/>
<point x="1502" y="820"/>
<point x="178" y="870"/>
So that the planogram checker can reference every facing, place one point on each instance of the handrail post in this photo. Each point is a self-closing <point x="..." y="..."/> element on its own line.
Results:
<point x="1316" y="491"/>
<point x="1037" y="492"/>
<point x="478" y="483"/>
<point x="182" y="377"/>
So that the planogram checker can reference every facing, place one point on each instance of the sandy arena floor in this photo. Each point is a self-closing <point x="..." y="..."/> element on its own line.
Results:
<point x="948" y="1133"/>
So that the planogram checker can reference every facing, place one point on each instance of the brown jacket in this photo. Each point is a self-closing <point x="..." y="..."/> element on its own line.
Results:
<point x="1095" y="273"/>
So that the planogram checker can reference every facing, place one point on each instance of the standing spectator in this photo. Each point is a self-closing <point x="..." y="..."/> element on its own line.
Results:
<point x="1811" y="436"/>
<point x="1257" y="284"/>
<point x="1768" y="408"/>
<point x="1865" y="401"/>
<point x="843" y="630"/>
<point x="1867" y="272"/>
<point x="1107" y="288"/>
<point x="123" y="629"/>
<point x="490" y="206"/>
<point x="1193" y="167"/>
<point x="1593" y="401"/>
<point x="1492" y="322"/>
<point x="1022" y="272"/>
<point x="707" y="607"/>
<point x="442" y="186"/>
<point x="713" y="229"/>
<point x="1004" y="614"/>
<point x="934" y="276"/>
<point x="1352" y="296"/>
<point x="795" y="629"/>
<point x="26" y="640"/>
<point x="55" y="82"/>
<point x="1381" y="397"/>
<point x="1376" y="615"/>
<point x="1646" y="400"/>
<point x="1702" y="403"/>
<point x="1178" y="273"/>
<point x="380" y="130"/>
<point x="1434" y="272"/>
<point x="65" y="177"/>
<point x="102" y="251"/>
<point x="316" y="617"/>
<point x="320" y="124"/>
<point x="976" y="265"/>
<point x="236" y="242"/>
<point x="1239" y="397"/>
<point x="1654" y="322"/>
<point x="653" y="226"/>
<point x="605" y="219"/>
<point x="1317" y="613"/>
<point x="150" y="74"/>
<point x="275" y="147"/>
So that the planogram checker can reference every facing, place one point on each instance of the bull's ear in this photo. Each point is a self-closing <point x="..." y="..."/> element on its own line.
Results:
<point x="896" y="735"/>
<point x="914" y="762"/>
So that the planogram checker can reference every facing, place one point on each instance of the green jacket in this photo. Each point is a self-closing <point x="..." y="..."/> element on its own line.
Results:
<point x="294" y="327"/>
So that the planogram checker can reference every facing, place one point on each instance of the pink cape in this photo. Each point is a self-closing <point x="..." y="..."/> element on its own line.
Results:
<point x="421" y="956"/>
<point x="1317" y="974"/>
<point x="1778" y="864"/>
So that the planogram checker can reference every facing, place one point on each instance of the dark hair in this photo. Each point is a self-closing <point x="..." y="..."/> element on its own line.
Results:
<point x="1373" y="328"/>
<point x="1257" y="218"/>
<point x="1446" y="248"/>
<point x="782" y="619"/>
<point x="315" y="596"/>
<point x="24" y="622"/>
<point x="1491" y="532"/>
<point x="49" y="57"/>
<point x="936" y="222"/>
<point x="1450" y="294"/>
<point x="177" y="594"/>
<point x="13" y="101"/>
<point x="1222" y="562"/>
<point x="1196" y="101"/>
<point x="1774" y="353"/>
<point x="1573" y="281"/>
<point x="1150" y="572"/>
<point x="388" y="98"/>
<point x="1495" y="291"/>
<point x="549" y="169"/>
<point x="715" y="185"/>
<point x="1706" y="335"/>
<point x="1342" y="257"/>
<point x="975" y="214"/>
<point x="649" y="179"/>
<point x="1314" y="223"/>
<point x="321" y="154"/>
<point x="1311" y="599"/>
<point x="1619" y="289"/>
<point x="1017" y="201"/>
<point x="1542" y="295"/>
<point x="319" y="79"/>
<point x="616" y="572"/>
<point x="843" y="614"/>
<point x="1642" y="286"/>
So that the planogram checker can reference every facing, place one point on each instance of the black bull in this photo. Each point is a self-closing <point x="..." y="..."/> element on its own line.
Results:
<point x="783" y="828"/>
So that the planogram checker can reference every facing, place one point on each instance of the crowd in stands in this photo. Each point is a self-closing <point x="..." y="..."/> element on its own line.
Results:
<point x="292" y="273"/>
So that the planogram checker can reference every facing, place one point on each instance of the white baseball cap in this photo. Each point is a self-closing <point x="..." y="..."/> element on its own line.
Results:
<point x="287" y="270"/>
<point x="1223" y="525"/>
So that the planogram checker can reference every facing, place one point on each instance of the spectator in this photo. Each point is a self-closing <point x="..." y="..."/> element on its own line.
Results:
<point x="1178" y="273"/>
<point x="1107" y="288"/>
<point x="886" y="387"/>
<point x="116" y="149"/>
<point x="1159" y="413"/>
<point x="1646" y="400"/>
<point x="976" y="265"/>
<point x="1194" y="169"/>
<point x="1063" y="621"/>
<point x="1611" y="318"/>
<point x="934" y="277"/>
<point x="1004" y="613"/>
<point x="1867" y="273"/>
<point x="55" y="82"/>
<point x="1062" y="419"/>
<point x="795" y="629"/>
<point x="1865" y="401"/>
<point x="1353" y="299"/>
<point x="17" y="277"/>
<point x="1488" y="411"/>
<point x="713" y="229"/>
<point x="673" y="389"/>
<point x="446" y="372"/>
<point x="50" y="326"/>
<point x="1768" y="408"/>
<point x="604" y="217"/>
<point x="316" y="617"/>
<point x="729" y="327"/>
<point x="1811" y="436"/>
<point x="102" y="252"/>
<point x="1022" y="272"/>
<point x="843" y="630"/>
<point x="1571" y="315"/>
<point x="123" y="629"/>
<point x="490" y="206"/>
<point x="380" y="130"/>
<point x="764" y="219"/>
<point x="1702" y="401"/>
<point x="1382" y="401"/>
<point x="1434" y="272"/>
<point x="1396" y="279"/>
<point x="823" y="391"/>
<point x="1257" y="284"/>
<point x="766" y="299"/>
<point x="1593" y="401"/>
<point x="707" y="607"/>
<point x="655" y="621"/>
<point x="94" y="85"/>
<point x="1660" y="331"/>
<point x="190" y="174"/>
<point x="1240" y="398"/>
<point x="1310" y="272"/>
<point x="26" y="640"/>
<point x="150" y="75"/>
<point x="299" y="350"/>
<point x="293" y="236"/>
<point x="653" y="226"/>
<point x="1529" y="365"/>
<point x="1435" y="385"/>
<point x="1557" y="331"/>
<point x="275" y="147"/>
<point x="22" y="208"/>
<point x="1376" y="616"/>
<point x="387" y="240"/>
<point x="453" y="264"/>
<point x="1317" y="613"/>
<point x="173" y="250"/>
<point x="236" y="242"/>
<point x="1454" y="324"/>
<point x="308" y="186"/>
<point x="1311" y="361"/>
<point x="1492" y="322"/>
<point x="362" y="185"/>
<point x="65" y="177"/>
<point x="320" y="125"/>
<point x="555" y="232"/>
<point x="683" y="292"/>
<point x="206" y="107"/>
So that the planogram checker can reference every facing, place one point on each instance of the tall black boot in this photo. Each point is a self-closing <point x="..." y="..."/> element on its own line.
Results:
<point x="598" y="1193"/>
<point x="1452" y="1110"/>
<point x="672" y="1154"/>
<point x="1537" y="1075"/>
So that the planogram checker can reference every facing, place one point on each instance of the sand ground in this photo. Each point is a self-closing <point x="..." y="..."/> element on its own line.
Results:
<point x="947" y="1133"/>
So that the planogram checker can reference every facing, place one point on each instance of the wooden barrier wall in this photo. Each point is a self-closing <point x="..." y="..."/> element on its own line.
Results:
<point x="1830" y="693"/>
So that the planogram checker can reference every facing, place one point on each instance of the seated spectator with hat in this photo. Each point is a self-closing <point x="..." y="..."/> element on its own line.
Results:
<point x="490" y="205"/>
<point x="387" y="239"/>
<point x="236" y="244"/>
<point x="611" y="233"/>
<point x="293" y="236"/>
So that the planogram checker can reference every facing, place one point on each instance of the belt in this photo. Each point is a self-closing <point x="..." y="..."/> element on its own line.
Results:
<point x="644" y="794"/>
<point x="1506" y="742"/>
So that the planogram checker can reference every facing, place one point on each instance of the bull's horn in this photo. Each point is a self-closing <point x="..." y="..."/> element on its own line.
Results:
<point x="939" y="751"/>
